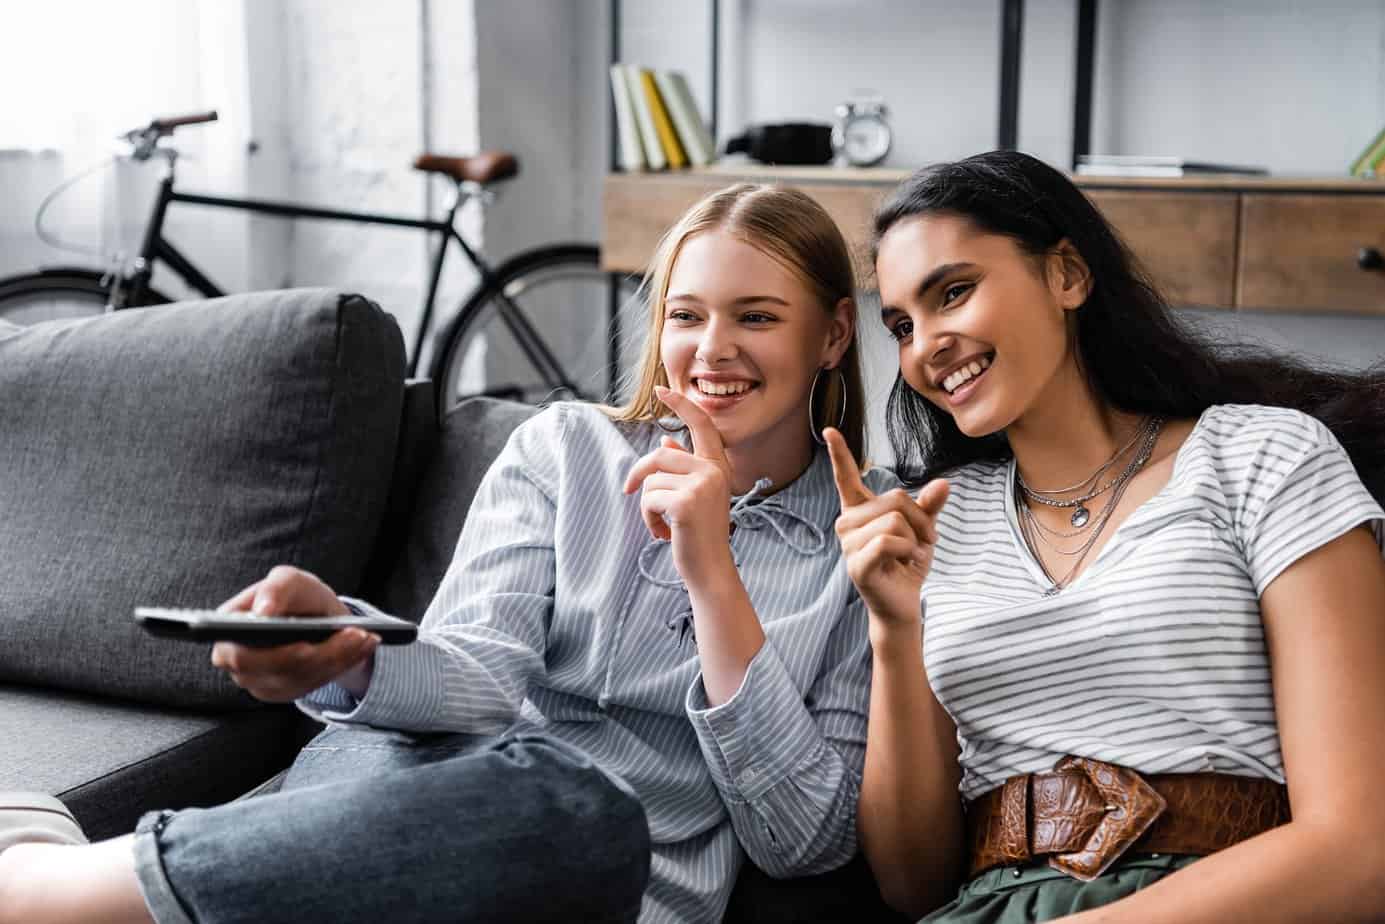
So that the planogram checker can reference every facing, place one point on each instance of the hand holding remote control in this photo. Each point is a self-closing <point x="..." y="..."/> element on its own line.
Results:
<point x="286" y="672"/>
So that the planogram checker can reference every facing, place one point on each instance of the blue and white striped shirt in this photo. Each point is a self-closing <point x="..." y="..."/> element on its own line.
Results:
<point x="560" y="612"/>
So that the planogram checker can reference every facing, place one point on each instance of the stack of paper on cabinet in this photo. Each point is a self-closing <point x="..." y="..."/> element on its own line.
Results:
<point x="1153" y="166"/>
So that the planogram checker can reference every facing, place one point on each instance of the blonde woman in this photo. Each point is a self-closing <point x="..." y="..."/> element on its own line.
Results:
<point x="645" y="600"/>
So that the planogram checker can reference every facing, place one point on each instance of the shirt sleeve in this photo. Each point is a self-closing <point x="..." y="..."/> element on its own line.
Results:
<point x="788" y="765"/>
<point x="1302" y="493"/>
<point x="482" y="640"/>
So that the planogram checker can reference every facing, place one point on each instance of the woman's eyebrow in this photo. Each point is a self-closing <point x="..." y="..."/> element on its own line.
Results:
<point x="929" y="281"/>
<point x="742" y="300"/>
<point x="937" y="275"/>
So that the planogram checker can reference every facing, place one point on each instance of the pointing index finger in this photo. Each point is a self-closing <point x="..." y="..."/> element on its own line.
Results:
<point x="706" y="438"/>
<point x="932" y="496"/>
<point x="850" y="487"/>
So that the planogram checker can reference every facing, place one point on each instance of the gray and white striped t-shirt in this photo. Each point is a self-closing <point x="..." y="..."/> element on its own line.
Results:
<point x="1154" y="657"/>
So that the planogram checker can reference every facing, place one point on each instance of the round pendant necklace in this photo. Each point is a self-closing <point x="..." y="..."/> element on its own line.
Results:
<point x="1081" y="513"/>
<point x="1032" y="530"/>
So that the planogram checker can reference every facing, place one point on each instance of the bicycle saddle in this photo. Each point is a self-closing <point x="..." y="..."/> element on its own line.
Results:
<point x="486" y="167"/>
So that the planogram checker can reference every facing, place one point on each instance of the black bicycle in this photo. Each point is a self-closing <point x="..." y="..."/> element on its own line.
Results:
<point x="492" y="345"/>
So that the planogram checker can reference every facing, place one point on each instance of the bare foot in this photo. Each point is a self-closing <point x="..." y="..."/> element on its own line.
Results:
<point x="93" y="884"/>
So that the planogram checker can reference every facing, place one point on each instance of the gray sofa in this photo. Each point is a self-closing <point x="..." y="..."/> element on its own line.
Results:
<point x="172" y="455"/>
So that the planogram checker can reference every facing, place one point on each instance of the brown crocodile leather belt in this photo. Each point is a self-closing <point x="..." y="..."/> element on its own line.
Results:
<point x="1085" y="814"/>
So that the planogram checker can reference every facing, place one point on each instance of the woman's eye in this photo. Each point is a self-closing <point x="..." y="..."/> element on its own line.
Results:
<point x="681" y="314"/>
<point x="954" y="292"/>
<point x="756" y="317"/>
<point x="901" y="330"/>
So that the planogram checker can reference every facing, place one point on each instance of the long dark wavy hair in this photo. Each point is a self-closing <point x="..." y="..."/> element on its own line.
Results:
<point x="1136" y="354"/>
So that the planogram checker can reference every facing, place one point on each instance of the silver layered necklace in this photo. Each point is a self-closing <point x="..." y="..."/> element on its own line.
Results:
<point x="1036" y="533"/>
<point x="1081" y="515"/>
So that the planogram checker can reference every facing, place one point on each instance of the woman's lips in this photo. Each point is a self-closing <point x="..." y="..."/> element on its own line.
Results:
<point x="712" y="402"/>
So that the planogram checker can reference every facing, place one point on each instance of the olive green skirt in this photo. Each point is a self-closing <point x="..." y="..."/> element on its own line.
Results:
<point x="1036" y="892"/>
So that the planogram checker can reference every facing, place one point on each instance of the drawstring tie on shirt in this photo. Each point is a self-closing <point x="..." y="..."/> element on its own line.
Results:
<point x="798" y="532"/>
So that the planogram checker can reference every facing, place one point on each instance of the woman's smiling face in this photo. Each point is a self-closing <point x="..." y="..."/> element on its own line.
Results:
<point x="981" y="325"/>
<point x="743" y="337"/>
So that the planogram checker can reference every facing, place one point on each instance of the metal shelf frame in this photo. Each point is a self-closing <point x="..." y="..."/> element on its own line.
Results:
<point x="1007" y="130"/>
<point x="1011" y="47"/>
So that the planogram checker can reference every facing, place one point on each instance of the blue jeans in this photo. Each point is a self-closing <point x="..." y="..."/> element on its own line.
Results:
<point x="377" y="826"/>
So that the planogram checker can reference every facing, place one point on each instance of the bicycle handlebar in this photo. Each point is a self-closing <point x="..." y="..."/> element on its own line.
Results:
<point x="167" y="124"/>
<point x="145" y="141"/>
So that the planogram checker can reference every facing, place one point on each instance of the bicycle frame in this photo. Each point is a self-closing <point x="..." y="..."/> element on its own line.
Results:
<point x="157" y="247"/>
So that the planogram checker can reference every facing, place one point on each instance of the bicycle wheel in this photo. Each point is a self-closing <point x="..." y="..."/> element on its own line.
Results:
<point x="57" y="294"/>
<point x="538" y="333"/>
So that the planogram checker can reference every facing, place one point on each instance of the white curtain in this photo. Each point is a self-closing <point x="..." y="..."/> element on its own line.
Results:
<point x="76" y="74"/>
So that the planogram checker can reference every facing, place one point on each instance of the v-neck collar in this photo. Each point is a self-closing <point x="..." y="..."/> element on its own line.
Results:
<point x="1031" y="562"/>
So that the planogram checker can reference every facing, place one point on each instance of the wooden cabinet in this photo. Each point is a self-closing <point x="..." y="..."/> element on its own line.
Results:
<point x="1186" y="241"/>
<point x="1249" y="242"/>
<point x="1302" y="251"/>
<point x="639" y="208"/>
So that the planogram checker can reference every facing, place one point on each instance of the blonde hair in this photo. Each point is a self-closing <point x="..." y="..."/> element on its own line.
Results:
<point x="790" y="227"/>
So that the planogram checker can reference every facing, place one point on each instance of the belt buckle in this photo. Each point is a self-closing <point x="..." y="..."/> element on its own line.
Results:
<point x="1131" y="805"/>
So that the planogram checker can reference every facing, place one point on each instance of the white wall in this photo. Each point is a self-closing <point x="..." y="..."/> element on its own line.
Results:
<point x="349" y="85"/>
<point x="1296" y="86"/>
<point x="528" y="73"/>
<point x="518" y="76"/>
<point x="345" y="95"/>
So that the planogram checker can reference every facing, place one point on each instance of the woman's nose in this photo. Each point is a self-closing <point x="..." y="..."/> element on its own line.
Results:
<point x="716" y="345"/>
<point x="933" y="347"/>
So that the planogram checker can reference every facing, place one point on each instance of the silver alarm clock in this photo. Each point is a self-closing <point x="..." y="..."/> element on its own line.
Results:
<point x="861" y="136"/>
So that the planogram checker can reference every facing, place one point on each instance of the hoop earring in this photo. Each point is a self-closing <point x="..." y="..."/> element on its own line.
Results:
<point x="812" y="396"/>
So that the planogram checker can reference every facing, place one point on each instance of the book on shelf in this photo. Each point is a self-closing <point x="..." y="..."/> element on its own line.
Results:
<point x="657" y="121"/>
<point x="644" y="119"/>
<point x="1371" y="161"/>
<point x="663" y="125"/>
<point x="631" y="150"/>
<point x="1142" y="165"/>
<point x="692" y="131"/>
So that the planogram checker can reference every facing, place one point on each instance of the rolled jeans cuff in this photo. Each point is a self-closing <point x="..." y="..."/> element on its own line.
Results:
<point x="158" y="893"/>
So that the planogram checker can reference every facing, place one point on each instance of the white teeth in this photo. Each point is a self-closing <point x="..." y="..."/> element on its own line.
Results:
<point x="722" y="388"/>
<point x="963" y="375"/>
<point x="958" y="379"/>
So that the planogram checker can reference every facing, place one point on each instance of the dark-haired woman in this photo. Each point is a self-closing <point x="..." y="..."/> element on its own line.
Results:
<point x="1153" y="596"/>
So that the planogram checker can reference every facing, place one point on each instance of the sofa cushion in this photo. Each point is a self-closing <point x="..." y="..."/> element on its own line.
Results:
<point x="473" y="434"/>
<point x="170" y="456"/>
<point x="112" y="761"/>
<point x="418" y="441"/>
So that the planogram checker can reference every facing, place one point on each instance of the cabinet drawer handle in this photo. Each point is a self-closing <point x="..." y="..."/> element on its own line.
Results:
<point x="1369" y="258"/>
